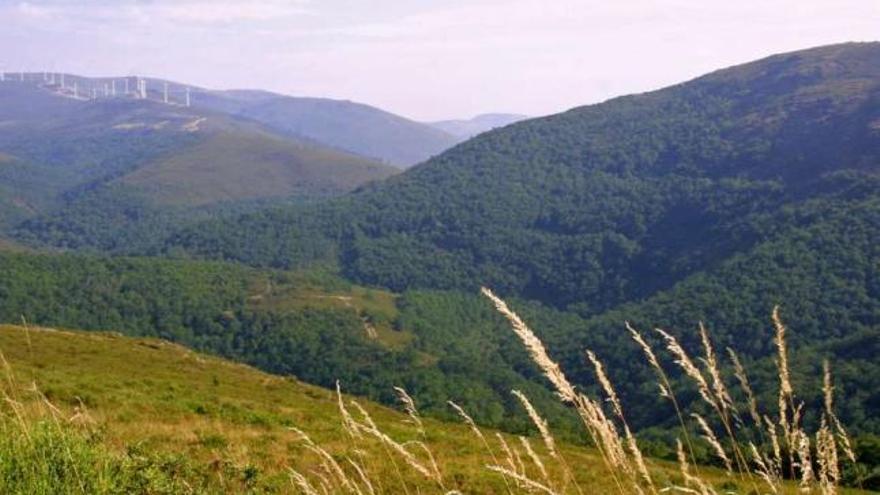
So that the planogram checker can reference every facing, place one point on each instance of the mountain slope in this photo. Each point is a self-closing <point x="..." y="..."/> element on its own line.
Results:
<point x="345" y="125"/>
<point x="611" y="202"/>
<point x="64" y="157"/>
<point x="233" y="166"/>
<point x="711" y="200"/>
<point x="192" y="423"/>
<point x="468" y="128"/>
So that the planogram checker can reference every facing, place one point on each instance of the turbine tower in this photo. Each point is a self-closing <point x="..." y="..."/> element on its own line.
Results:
<point x="187" y="96"/>
<point x="165" y="93"/>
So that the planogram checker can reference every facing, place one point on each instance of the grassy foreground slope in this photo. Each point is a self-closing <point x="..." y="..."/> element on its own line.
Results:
<point x="88" y="412"/>
<point x="217" y="425"/>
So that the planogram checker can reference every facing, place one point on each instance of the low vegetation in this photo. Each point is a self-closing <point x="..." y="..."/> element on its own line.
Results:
<point x="186" y="423"/>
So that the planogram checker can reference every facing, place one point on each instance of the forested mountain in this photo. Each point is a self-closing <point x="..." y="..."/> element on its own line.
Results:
<point x="69" y="162"/>
<point x="468" y="128"/>
<point x="711" y="200"/>
<point x="345" y="125"/>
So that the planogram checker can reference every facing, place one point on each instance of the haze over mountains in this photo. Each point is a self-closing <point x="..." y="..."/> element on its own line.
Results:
<point x="468" y="128"/>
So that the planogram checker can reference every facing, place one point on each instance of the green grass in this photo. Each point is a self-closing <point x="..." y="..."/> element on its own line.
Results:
<point x="234" y="166"/>
<point x="147" y="416"/>
<point x="303" y="290"/>
<point x="192" y="418"/>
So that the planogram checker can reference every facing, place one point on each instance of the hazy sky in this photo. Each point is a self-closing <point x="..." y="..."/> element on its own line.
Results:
<point x="425" y="59"/>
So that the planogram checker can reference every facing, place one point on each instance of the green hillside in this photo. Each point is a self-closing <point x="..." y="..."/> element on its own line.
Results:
<point x="160" y="418"/>
<point x="147" y="164"/>
<point x="238" y="166"/>
<point x="344" y="125"/>
<point x="711" y="200"/>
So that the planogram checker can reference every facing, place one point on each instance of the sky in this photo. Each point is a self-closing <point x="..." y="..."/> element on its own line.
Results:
<point x="423" y="59"/>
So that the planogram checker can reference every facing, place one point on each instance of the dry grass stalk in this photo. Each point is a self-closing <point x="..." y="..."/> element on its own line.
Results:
<point x="479" y="434"/>
<point x="522" y="480"/>
<point x="724" y="403"/>
<point x="302" y="483"/>
<point x="600" y="430"/>
<point x="536" y="460"/>
<point x="638" y="459"/>
<point x="536" y="349"/>
<point x="786" y="392"/>
<point x="508" y="453"/>
<point x="348" y="423"/>
<point x="686" y="364"/>
<point x="606" y="384"/>
<point x="664" y="384"/>
<point x="826" y="456"/>
<point x="827" y="388"/>
<point x="716" y="395"/>
<point x="765" y="469"/>
<point x="828" y="392"/>
<point x="409" y="406"/>
<point x="396" y="447"/>
<point x="371" y="428"/>
<point x="774" y="441"/>
<point x="328" y="462"/>
<point x="430" y="456"/>
<point x="362" y="474"/>
<point x="621" y="453"/>
<point x="549" y="442"/>
<point x="702" y="487"/>
<point x="779" y="340"/>
<point x="539" y="423"/>
<point x="713" y="442"/>
<point x="722" y="397"/>
<point x="804" y="461"/>
<point x="739" y="372"/>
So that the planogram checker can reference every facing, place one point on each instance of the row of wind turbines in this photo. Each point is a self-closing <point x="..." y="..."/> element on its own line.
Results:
<point x="93" y="89"/>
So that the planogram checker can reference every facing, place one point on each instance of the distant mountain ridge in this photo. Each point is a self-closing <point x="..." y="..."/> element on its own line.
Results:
<point x="130" y="156"/>
<point x="468" y="128"/>
<point x="346" y="125"/>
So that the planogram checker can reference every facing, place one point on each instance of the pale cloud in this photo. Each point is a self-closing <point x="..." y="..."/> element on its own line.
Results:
<point x="425" y="59"/>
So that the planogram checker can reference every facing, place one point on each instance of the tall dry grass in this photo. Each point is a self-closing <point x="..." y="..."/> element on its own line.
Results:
<point x="762" y="455"/>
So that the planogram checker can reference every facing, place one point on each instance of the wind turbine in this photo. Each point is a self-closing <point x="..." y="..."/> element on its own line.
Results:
<point x="187" y="96"/>
<point x="165" y="93"/>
